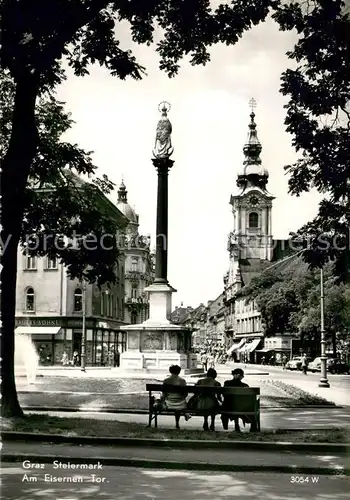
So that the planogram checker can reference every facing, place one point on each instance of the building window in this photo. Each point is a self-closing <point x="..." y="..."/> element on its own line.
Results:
<point x="30" y="299"/>
<point x="30" y="262"/>
<point x="112" y="305"/>
<point x="109" y="301"/>
<point x="133" y="318"/>
<point x="134" y="293"/>
<point x="51" y="263"/>
<point x="78" y="300"/>
<point x="134" y="265"/>
<point x="253" y="219"/>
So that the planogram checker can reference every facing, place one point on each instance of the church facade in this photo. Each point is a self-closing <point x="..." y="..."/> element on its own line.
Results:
<point x="251" y="249"/>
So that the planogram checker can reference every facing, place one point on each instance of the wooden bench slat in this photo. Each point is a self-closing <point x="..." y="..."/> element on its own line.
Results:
<point x="202" y="389"/>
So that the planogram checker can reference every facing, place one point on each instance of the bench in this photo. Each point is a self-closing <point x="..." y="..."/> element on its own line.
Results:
<point x="245" y="401"/>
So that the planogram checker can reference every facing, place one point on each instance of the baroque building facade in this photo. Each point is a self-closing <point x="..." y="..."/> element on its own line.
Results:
<point x="49" y="306"/>
<point x="139" y="264"/>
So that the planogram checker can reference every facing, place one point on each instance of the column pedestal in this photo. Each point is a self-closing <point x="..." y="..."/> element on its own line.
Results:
<point x="157" y="343"/>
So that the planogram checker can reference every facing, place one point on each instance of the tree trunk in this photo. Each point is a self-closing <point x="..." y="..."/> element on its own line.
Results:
<point x="15" y="171"/>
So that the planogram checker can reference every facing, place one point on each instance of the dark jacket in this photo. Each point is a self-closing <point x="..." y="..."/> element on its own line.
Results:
<point x="228" y="399"/>
<point x="228" y="403"/>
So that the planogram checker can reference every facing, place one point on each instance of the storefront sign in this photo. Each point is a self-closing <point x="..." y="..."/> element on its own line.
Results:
<point x="38" y="322"/>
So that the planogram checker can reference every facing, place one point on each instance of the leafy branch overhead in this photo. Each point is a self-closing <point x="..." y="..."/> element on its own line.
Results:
<point x="38" y="33"/>
<point x="59" y="206"/>
<point x="318" y="117"/>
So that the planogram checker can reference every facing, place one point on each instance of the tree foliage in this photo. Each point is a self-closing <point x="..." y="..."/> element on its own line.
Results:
<point x="65" y="217"/>
<point x="318" y="117"/>
<point x="38" y="33"/>
<point x="289" y="301"/>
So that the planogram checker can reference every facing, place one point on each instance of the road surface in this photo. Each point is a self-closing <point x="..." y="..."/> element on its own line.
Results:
<point x="118" y="483"/>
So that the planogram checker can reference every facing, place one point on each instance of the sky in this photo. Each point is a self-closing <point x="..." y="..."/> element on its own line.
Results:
<point x="210" y="114"/>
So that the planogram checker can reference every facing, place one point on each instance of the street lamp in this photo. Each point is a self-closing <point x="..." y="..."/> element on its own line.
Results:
<point x="83" y="337"/>
<point x="108" y="313"/>
<point x="323" y="381"/>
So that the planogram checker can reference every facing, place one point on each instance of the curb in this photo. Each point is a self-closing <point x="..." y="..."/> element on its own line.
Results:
<point x="158" y="464"/>
<point x="342" y="448"/>
<point x="74" y="409"/>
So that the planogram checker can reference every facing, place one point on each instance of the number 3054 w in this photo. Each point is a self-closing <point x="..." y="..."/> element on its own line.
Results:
<point x="304" y="479"/>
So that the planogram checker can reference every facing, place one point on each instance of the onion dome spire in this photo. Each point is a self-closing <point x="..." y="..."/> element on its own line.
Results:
<point x="252" y="148"/>
<point x="122" y="193"/>
<point x="253" y="173"/>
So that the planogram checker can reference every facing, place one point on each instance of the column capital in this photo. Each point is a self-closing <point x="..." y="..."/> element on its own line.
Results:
<point x="163" y="165"/>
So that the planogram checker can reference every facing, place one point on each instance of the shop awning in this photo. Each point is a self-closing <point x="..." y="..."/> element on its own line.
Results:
<point x="264" y="350"/>
<point x="252" y="345"/>
<point x="38" y="330"/>
<point x="243" y="346"/>
<point x="235" y="346"/>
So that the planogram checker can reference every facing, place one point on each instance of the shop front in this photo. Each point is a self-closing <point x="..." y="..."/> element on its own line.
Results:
<point x="244" y="349"/>
<point x="59" y="340"/>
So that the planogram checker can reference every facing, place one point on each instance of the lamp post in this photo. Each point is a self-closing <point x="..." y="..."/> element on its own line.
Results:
<point x="323" y="381"/>
<point x="108" y="313"/>
<point x="83" y="337"/>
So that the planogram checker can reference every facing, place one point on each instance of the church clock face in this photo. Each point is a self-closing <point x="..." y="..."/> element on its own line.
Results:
<point x="254" y="200"/>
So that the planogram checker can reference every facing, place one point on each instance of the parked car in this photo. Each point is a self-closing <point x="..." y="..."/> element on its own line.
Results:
<point x="315" y="365"/>
<point x="339" y="367"/>
<point x="294" y="363"/>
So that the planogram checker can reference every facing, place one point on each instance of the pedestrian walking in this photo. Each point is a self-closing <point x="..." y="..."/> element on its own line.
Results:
<point x="211" y="361"/>
<point x="64" y="358"/>
<point x="204" y="361"/>
<point x="284" y="361"/>
<point x="75" y="358"/>
<point x="117" y="359"/>
<point x="111" y="358"/>
<point x="304" y="364"/>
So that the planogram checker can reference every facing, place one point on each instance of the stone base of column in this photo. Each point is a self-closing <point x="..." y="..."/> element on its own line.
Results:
<point x="157" y="343"/>
<point x="154" y="347"/>
<point x="158" y="362"/>
<point x="160" y="295"/>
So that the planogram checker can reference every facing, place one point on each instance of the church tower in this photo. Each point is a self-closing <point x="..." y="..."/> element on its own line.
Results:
<point x="250" y="243"/>
<point x="127" y="210"/>
<point x="139" y="266"/>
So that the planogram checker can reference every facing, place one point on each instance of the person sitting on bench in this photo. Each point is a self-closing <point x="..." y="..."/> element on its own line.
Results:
<point x="236" y="381"/>
<point x="175" y="400"/>
<point x="208" y="402"/>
